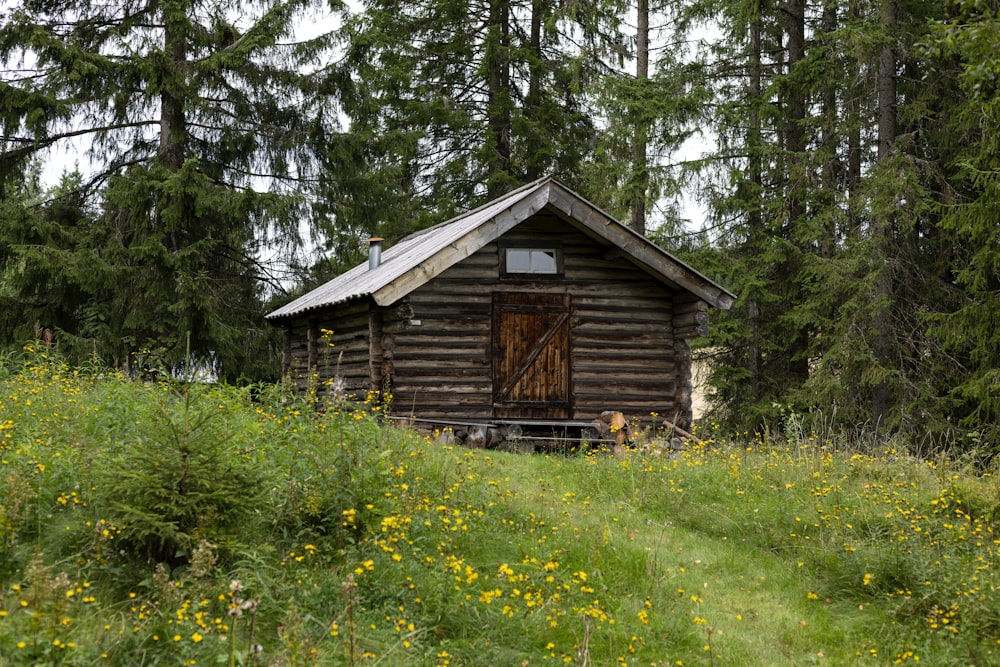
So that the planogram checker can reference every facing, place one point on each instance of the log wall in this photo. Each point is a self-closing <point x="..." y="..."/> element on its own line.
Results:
<point x="313" y="356"/>
<point x="623" y="349"/>
<point x="628" y="335"/>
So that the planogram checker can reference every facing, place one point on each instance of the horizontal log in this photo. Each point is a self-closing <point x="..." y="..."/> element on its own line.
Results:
<point x="602" y="328"/>
<point x="623" y="302"/>
<point x="590" y="377"/>
<point x="483" y="258"/>
<point x="426" y="338"/>
<point x="631" y="390"/>
<point x="354" y="346"/>
<point x="597" y="286"/>
<point x="338" y="328"/>
<point x="344" y="357"/>
<point x="653" y="337"/>
<point x="441" y="356"/>
<point x="413" y="402"/>
<point x="357" y="374"/>
<point x="622" y="318"/>
<point x="448" y="368"/>
<point x="462" y="337"/>
<point x="464" y="272"/>
<point x="468" y="413"/>
<point x="335" y="319"/>
<point x="352" y="372"/>
<point x="404" y="383"/>
<point x="430" y="385"/>
<point x="621" y="272"/>
<point x="392" y="328"/>
<point x="447" y="293"/>
<point x="427" y="374"/>
<point x="693" y="319"/>
<point x="440" y="327"/>
<point x="612" y="364"/>
<point x="343" y="336"/>
<point x="616" y="304"/>
<point x="443" y="330"/>
<point x="634" y="348"/>
<point x="692" y="332"/>
<point x="351" y="386"/>
<point x="687" y="306"/>
<point x="594" y="396"/>
<point x="445" y="304"/>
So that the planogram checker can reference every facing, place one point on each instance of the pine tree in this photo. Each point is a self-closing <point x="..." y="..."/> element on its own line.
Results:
<point x="201" y="126"/>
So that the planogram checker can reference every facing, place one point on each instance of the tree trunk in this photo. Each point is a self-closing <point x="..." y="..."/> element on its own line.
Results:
<point x="173" y="124"/>
<point x="828" y="140"/>
<point x="533" y="101"/>
<point x="798" y="364"/>
<point x="887" y="84"/>
<point x="852" y="107"/>
<point x="796" y="99"/>
<point x="640" y="165"/>
<point x="755" y="219"/>
<point x="882" y="321"/>
<point x="172" y="121"/>
<point x="829" y="109"/>
<point x="499" y="102"/>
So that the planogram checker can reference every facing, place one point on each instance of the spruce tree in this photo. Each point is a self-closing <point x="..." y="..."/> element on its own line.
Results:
<point x="646" y="106"/>
<point x="461" y="101"/>
<point x="757" y="70"/>
<point x="966" y="40"/>
<point x="200" y="125"/>
<point x="825" y="214"/>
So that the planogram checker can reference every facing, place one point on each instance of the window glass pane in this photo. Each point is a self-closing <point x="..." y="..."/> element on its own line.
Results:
<point x="518" y="261"/>
<point x="530" y="260"/>
<point x="543" y="261"/>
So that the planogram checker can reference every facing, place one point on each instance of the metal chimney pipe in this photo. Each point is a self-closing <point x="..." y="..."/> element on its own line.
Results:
<point x="374" y="252"/>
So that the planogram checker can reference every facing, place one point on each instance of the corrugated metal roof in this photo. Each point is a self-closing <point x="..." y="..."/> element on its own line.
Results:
<point x="453" y="237"/>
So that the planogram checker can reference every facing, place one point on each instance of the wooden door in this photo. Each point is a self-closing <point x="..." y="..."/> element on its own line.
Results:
<point x="531" y="374"/>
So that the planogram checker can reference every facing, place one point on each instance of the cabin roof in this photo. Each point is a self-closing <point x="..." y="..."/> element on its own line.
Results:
<point x="421" y="256"/>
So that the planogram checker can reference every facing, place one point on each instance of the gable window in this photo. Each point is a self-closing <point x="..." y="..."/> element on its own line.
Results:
<point x="532" y="261"/>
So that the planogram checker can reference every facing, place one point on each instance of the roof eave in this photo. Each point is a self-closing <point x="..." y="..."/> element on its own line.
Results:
<point x="637" y="248"/>
<point x="279" y="315"/>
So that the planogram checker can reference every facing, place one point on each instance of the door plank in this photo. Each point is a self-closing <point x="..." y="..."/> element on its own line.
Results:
<point x="531" y="341"/>
<point x="533" y="354"/>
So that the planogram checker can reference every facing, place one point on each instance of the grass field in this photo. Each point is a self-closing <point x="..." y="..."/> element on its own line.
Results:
<point x="158" y="523"/>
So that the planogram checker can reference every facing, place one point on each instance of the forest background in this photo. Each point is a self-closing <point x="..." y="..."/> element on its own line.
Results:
<point x="850" y="192"/>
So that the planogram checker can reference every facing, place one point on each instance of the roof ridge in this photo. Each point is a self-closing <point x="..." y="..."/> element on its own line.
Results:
<point x="473" y="211"/>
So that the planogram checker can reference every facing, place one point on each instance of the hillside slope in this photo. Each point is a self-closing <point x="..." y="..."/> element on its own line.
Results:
<point x="159" y="523"/>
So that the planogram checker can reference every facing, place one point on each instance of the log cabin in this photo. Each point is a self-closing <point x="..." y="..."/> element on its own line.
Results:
<point x="534" y="309"/>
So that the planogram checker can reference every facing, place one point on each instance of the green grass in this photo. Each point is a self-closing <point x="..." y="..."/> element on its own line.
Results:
<point x="155" y="523"/>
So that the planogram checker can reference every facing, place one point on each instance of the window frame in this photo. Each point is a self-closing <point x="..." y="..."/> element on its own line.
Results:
<point x="555" y="250"/>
